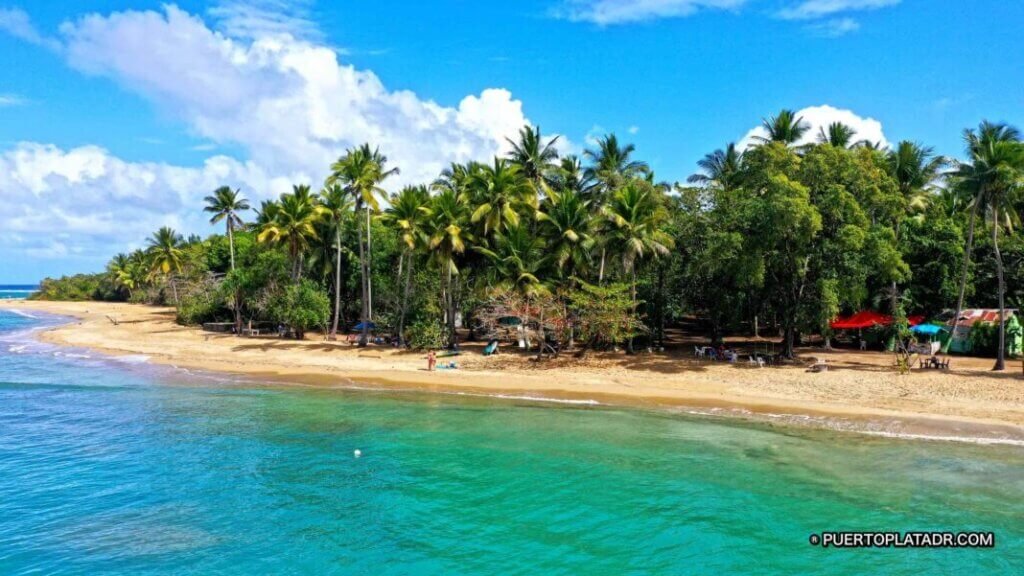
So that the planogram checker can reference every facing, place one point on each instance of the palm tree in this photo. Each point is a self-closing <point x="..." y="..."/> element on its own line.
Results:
<point x="408" y="211"/>
<point x="535" y="157"/>
<point x="612" y="167"/>
<point x="784" y="127"/>
<point x="519" y="264"/>
<point x="567" y="223"/>
<point x="361" y="171"/>
<point x="838" y="135"/>
<point x="448" y="234"/>
<point x="225" y="204"/>
<point x="994" y="170"/>
<point x="720" y="169"/>
<point x="165" y="254"/>
<point x="916" y="169"/>
<point x="636" y="215"/>
<point x="265" y="214"/>
<point x="570" y="176"/>
<point x="294" y="225"/>
<point x="499" y="192"/>
<point x="337" y="204"/>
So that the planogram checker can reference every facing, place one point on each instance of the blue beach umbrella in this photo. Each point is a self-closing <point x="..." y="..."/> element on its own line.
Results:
<point x="359" y="327"/>
<point x="927" y="329"/>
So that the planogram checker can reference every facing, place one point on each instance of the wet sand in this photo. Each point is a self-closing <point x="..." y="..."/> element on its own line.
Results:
<point x="861" y="390"/>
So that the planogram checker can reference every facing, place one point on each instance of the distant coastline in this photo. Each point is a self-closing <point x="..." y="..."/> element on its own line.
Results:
<point x="17" y="291"/>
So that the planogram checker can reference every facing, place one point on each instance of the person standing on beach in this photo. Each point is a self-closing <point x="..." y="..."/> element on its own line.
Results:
<point x="431" y="361"/>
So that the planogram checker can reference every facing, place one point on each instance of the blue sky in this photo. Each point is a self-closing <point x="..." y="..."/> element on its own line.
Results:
<point x="117" y="117"/>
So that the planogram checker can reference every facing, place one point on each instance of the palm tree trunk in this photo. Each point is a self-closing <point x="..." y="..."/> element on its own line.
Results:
<point x="1001" y="353"/>
<point x="369" y="258"/>
<point x="337" y="280"/>
<point x="237" y="304"/>
<point x="450" y="305"/>
<point x="540" y="332"/>
<point x="405" y="302"/>
<point x="963" y="276"/>
<point x="365" y="335"/>
<point x="231" y="244"/>
<point x="632" y="293"/>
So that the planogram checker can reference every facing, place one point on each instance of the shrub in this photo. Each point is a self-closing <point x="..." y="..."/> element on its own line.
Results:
<point x="78" y="288"/>
<point x="302" y="306"/>
<point x="425" y="334"/>
<point x="200" y="306"/>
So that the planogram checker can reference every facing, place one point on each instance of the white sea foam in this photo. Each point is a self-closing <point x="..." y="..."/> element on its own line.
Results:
<point x="132" y="358"/>
<point x="21" y="313"/>
<point x="966" y="439"/>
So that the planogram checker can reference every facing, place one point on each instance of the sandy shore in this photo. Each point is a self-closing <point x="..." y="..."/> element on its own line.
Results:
<point x="859" y="386"/>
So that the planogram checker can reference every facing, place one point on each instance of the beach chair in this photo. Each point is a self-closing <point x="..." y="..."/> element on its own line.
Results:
<point x="756" y="361"/>
<point x="698" y="351"/>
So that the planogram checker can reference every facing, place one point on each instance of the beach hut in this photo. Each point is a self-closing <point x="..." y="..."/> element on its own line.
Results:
<point x="960" y="334"/>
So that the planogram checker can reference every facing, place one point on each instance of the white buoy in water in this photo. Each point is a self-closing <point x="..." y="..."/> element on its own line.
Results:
<point x="357" y="453"/>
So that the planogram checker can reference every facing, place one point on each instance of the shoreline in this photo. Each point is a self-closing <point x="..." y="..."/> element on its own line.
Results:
<point x="969" y="403"/>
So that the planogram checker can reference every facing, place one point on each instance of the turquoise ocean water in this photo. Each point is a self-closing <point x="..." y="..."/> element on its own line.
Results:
<point x="120" y="467"/>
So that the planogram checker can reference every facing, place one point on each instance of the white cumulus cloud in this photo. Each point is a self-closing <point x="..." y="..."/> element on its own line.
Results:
<point x="818" y="117"/>
<point x="288" y="103"/>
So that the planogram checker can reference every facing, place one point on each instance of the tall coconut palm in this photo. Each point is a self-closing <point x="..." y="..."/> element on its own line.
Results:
<point x="294" y="225"/>
<point x="408" y="212"/>
<point x="567" y="225"/>
<point x="785" y="127"/>
<point x="916" y="170"/>
<point x="225" y="204"/>
<point x="336" y="203"/>
<point x="993" y="171"/>
<point x="612" y="166"/>
<point x="448" y="234"/>
<point x="165" y="255"/>
<point x="535" y="157"/>
<point x="570" y="176"/>
<point x="519" y="264"/>
<point x="721" y="169"/>
<point x="500" y="193"/>
<point x="361" y="171"/>
<point x="837" y="134"/>
<point x="265" y="214"/>
<point x="637" y="215"/>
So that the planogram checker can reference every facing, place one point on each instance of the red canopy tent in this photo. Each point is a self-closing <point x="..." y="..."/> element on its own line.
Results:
<point x="867" y="319"/>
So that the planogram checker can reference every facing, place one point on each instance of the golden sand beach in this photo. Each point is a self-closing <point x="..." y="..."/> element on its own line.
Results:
<point x="859" y="386"/>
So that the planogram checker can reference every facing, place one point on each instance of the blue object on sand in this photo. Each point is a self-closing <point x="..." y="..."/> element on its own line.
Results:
<point x="491" y="348"/>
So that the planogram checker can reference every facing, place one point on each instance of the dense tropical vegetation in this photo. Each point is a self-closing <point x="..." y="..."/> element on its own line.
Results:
<point x="775" y="239"/>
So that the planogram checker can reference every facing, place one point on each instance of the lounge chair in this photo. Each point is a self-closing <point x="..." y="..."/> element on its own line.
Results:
<point x="756" y="360"/>
<point x="698" y="351"/>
